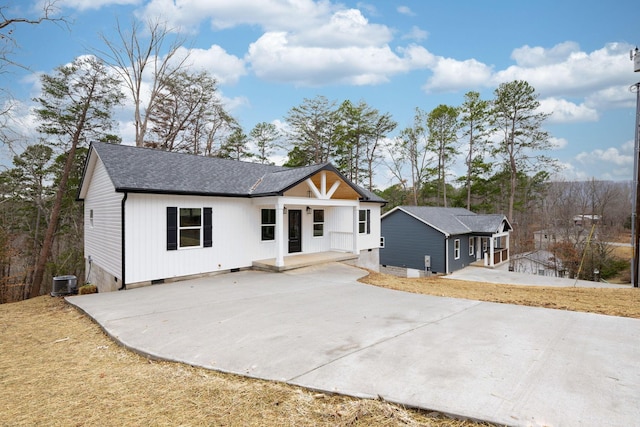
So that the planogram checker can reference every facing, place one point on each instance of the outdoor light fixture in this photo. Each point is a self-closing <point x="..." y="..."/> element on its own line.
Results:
<point x="284" y="210"/>
<point x="308" y="210"/>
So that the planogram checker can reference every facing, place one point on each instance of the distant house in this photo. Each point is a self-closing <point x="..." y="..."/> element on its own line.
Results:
<point x="579" y="229"/>
<point x="153" y="215"/>
<point x="539" y="262"/>
<point x="442" y="240"/>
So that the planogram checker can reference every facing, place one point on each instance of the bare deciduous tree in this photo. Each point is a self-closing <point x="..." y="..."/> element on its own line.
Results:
<point x="413" y="149"/>
<point x="134" y="57"/>
<point x="8" y="42"/>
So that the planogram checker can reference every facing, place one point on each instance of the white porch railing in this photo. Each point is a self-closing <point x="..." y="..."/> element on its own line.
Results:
<point x="341" y="241"/>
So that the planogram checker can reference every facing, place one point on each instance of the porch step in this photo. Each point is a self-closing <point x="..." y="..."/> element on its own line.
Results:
<point x="292" y="262"/>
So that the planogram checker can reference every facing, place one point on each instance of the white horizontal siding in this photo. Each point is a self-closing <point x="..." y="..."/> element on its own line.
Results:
<point x="102" y="239"/>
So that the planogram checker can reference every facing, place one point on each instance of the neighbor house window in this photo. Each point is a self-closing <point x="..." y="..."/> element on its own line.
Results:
<point x="364" y="221"/>
<point x="268" y="224"/>
<point x="189" y="227"/>
<point x="318" y="222"/>
<point x="91" y="217"/>
<point x="456" y="249"/>
<point x="472" y="246"/>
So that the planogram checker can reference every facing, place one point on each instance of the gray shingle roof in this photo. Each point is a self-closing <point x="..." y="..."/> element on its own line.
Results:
<point x="454" y="221"/>
<point x="148" y="170"/>
<point x="482" y="223"/>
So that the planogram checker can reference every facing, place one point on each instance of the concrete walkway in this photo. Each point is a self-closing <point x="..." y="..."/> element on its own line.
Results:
<point x="319" y="328"/>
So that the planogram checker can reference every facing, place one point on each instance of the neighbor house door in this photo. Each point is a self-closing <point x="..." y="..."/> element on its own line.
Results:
<point x="295" y="231"/>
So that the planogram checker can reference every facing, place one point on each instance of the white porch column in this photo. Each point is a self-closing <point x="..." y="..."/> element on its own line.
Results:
<point x="507" y="245"/>
<point x="279" y="235"/>
<point x="491" y="249"/>
<point x="356" y="218"/>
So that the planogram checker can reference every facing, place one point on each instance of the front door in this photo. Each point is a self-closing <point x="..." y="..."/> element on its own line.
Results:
<point x="295" y="231"/>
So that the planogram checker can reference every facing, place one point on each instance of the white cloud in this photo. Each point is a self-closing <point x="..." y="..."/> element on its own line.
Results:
<point x="271" y="15"/>
<point x="611" y="155"/>
<point x="613" y="163"/>
<point x="563" y="111"/>
<point x="405" y="10"/>
<point x="226" y="68"/>
<point x="304" y="42"/>
<point x="564" y="70"/>
<point x="532" y="57"/>
<point x="416" y="34"/>
<point x="569" y="172"/>
<point x="450" y="75"/>
<point x="618" y="96"/>
<point x="558" y="143"/>
<point x="344" y="28"/>
<point x="273" y="58"/>
<point x="95" y="4"/>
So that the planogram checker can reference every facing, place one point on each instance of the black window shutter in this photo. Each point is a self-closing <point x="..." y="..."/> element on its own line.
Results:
<point x="368" y="221"/>
<point x="172" y="228"/>
<point x="207" y="229"/>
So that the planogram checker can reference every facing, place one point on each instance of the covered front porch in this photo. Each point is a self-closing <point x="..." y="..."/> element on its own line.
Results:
<point x="495" y="250"/>
<point x="292" y="262"/>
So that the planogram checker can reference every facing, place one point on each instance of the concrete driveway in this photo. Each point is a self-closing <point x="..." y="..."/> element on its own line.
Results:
<point x="318" y="327"/>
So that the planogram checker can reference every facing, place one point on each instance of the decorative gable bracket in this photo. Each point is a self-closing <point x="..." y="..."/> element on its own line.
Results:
<point x="322" y="193"/>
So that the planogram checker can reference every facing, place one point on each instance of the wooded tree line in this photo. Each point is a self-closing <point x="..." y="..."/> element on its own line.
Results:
<point x="502" y="141"/>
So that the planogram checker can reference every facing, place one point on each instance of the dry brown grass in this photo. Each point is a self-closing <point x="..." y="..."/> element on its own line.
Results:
<point x="614" y="302"/>
<point x="57" y="368"/>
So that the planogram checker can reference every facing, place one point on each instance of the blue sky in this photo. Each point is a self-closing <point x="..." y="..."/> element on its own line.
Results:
<point x="269" y="55"/>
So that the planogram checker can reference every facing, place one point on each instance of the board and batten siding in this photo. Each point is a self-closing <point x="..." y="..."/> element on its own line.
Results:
<point x="235" y="231"/>
<point x="408" y="240"/>
<point x="371" y="240"/>
<point x="103" y="237"/>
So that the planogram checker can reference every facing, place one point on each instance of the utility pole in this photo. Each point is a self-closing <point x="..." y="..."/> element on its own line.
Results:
<point x="635" y="218"/>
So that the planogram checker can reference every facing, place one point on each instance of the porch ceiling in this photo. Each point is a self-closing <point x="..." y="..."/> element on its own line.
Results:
<point x="344" y="190"/>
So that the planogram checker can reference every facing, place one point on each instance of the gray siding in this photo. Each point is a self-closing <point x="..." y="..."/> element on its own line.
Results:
<point x="465" y="259"/>
<point x="407" y="240"/>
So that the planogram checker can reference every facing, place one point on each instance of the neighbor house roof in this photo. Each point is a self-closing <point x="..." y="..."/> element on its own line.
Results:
<point x="146" y="170"/>
<point x="452" y="221"/>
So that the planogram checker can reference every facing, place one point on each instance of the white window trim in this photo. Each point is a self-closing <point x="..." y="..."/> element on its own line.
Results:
<point x="191" y="227"/>
<point x="456" y="249"/>
<point x="472" y="246"/>
<point x="313" y="227"/>
<point x="265" y="224"/>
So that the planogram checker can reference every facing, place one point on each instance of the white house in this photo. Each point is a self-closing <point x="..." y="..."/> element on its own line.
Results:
<point x="153" y="216"/>
<point x="540" y="262"/>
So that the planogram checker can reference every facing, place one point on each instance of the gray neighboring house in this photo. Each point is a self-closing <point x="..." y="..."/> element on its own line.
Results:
<point x="428" y="239"/>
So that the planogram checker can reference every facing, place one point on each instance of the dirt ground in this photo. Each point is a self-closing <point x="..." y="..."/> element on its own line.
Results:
<point x="58" y="368"/>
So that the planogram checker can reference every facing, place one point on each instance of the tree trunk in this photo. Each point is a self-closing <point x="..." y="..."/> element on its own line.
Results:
<point x="53" y="222"/>
<point x="57" y="205"/>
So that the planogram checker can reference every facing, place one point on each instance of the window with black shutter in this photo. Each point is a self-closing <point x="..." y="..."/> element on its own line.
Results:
<point x="207" y="228"/>
<point x="172" y="228"/>
<point x="189" y="228"/>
